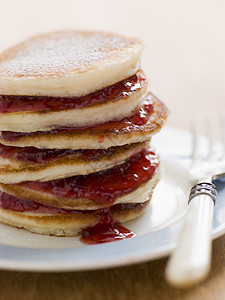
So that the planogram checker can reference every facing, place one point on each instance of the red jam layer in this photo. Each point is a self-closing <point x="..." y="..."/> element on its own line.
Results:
<point x="41" y="156"/>
<point x="122" y="89"/>
<point x="10" y="202"/>
<point x="31" y="154"/>
<point x="139" y="118"/>
<point x="105" y="186"/>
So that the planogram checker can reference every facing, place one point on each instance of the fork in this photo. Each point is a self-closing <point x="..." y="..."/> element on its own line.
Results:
<point x="191" y="260"/>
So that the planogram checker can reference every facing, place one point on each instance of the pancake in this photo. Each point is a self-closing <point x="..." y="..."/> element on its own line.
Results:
<point x="97" y="137"/>
<point x="138" y="195"/>
<point x="65" y="224"/>
<point x="109" y="110"/>
<point x="23" y="164"/>
<point x="68" y="63"/>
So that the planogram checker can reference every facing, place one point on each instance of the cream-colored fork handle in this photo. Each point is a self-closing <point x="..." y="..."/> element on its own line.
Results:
<point x="190" y="262"/>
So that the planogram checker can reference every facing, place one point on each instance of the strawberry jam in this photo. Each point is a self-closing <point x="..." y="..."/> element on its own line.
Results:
<point x="107" y="229"/>
<point x="105" y="186"/>
<point x="31" y="154"/>
<point x="13" y="203"/>
<point x="10" y="202"/>
<point x="136" y="121"/>
<point x="122" y="89"/>
<point x="41" y="156"/>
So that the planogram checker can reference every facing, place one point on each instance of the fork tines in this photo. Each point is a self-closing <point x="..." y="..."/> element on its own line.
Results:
<point x="207" y="159"/>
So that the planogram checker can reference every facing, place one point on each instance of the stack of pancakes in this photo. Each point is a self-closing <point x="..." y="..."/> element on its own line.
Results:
<point x="76" y="120"/>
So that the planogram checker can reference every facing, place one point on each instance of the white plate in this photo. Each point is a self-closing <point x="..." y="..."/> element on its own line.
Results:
<point x="156" y="231"/>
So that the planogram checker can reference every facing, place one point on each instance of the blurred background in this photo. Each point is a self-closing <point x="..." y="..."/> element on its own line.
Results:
<point x="184" y="55"/>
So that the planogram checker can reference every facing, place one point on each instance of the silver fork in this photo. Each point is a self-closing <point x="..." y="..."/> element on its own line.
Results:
<point x="190" y="262"/>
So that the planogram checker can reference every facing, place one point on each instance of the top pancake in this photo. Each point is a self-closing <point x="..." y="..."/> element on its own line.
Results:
<point x="69" y="63"/>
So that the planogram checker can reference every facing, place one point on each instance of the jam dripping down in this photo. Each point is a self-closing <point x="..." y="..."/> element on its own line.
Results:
<point x="122" y="89"/>
<point x="107" y="229"/>
<point x="105" y="186"/>
<point x="137" y="120"/>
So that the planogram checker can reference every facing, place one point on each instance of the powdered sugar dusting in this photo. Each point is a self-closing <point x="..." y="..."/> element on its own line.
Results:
<point x="63" y="53"/>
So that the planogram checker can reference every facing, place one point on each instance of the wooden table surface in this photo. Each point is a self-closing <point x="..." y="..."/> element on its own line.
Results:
<point x="185" y="62"/>
<point x="141" y="281"/>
